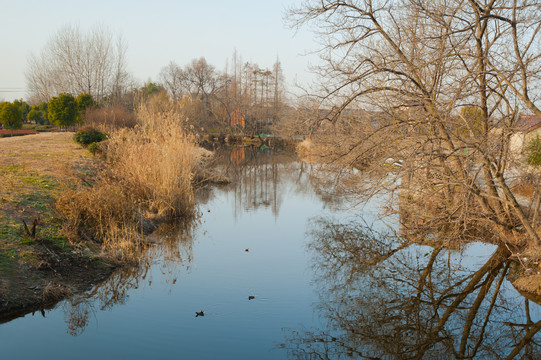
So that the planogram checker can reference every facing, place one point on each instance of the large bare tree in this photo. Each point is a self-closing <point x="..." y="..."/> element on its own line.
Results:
<point x="440" y="84"/>
<point x="76" y="62"/>
<point x="173" y="79"/>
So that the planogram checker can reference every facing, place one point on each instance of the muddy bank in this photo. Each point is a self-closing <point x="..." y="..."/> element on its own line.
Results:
<point x="58" y="274"/>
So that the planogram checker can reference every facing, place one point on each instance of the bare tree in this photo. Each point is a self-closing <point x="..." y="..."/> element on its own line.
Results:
<point x="202" y="78"/>
<point x="278" y="89"/>
<point x="173" y="79"/>
<point x="76" y="62"/>
<point x="246" y="92"/>
<point x="412" y="65"/>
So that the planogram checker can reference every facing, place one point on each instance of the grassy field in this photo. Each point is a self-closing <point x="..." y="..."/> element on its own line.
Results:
<point x="34" y="171"/>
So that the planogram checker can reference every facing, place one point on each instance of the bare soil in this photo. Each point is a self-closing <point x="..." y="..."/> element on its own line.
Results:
<point x="59" y="275"/>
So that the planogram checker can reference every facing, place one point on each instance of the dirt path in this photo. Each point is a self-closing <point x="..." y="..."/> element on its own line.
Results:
<point x="38" y="265"/>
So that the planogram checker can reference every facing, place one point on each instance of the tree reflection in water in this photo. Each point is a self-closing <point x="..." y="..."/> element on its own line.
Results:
<point x="261" y="178"/>
<point x="256" y="175"/>
<point x="385" y="298"/>
<point x="173" y="247"/>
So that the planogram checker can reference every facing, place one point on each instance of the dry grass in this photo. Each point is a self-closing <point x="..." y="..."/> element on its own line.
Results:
<point x="104" y="213"/>
<point x="110" y="117"/>
<point x="157" y="162"/>
<point x="55" y="292"/>
<point x="34" y="170"/>
<point x="149" y="174"/>
<point x="524" y="189"/>
<point x="46" y="153"/>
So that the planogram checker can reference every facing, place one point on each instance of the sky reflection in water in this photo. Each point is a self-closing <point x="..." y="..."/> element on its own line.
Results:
<point x="324" y="286"/>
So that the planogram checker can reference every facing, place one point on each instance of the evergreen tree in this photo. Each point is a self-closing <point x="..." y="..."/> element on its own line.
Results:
<point x="63" y="110"/>
<point x="10" y="116"/>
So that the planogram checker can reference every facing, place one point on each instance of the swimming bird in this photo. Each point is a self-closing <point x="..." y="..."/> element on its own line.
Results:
<point x="199" y="313"/>
<point x="247" y="250"/>
<point x="251" y="297"/>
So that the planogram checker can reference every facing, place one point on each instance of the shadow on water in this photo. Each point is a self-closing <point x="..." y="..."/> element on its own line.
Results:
<point x="383" y="298"/>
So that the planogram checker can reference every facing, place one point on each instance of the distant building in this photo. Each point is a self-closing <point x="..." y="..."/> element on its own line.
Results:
<point x="526" y="128"/>
<point x="237" y="118"/>
<point x="411" y="106"/>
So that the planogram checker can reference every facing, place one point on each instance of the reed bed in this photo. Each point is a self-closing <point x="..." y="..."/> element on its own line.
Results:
<point x="156" y="160"/>
<point x="148" y="177"/>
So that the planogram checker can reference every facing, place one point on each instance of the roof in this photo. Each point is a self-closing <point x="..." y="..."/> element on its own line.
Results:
<point x="526" y="123"/>
<point x="410" y="104"/>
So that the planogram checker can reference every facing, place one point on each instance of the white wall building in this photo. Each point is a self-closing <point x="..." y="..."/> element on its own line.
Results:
<point x="526" y="128"/>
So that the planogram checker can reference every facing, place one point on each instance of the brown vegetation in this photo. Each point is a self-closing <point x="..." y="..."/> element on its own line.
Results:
<point x="157" y="160"/>
<point x="110" y="117"/>
<point x="148" y="175"/>
<point x="245" y="99"/>
<point x="424" y="96"/>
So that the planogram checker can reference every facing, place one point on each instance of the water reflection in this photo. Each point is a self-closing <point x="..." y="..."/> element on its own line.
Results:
<point x="260" y="178"/>
<point x="257" y="176"/>
<point x="171" y="254"/>
<point x="257" y="180"/>
<point x="376" y="295"/>
<point x="386" y="298"/>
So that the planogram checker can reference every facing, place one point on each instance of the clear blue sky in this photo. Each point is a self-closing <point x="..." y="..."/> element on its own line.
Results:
<point x="157" y="32"/>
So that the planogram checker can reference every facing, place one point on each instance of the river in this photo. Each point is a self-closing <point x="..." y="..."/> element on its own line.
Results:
<point x="283" y="268"/>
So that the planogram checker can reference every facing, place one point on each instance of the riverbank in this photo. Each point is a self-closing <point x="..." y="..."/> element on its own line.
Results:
<point x="38" y="264"/>
<point x="68" y="218"/>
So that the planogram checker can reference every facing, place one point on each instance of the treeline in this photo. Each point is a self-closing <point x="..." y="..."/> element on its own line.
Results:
<point x="62" y="110"/>
<point x="243" y="98"/>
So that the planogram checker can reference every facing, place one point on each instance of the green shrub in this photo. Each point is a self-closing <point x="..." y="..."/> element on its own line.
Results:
<point x="533" y="152"/>
<point x="87" y="136"/>
<point x="94" y="148"/>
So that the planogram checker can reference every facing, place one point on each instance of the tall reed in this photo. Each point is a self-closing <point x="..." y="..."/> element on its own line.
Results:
<point x="156" y="161"/>
<point x="148" y="174"/>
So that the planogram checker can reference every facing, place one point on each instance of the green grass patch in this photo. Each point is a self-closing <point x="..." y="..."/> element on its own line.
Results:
<point x="11" y="169"/>
<point x="28" y="196"/>
<point x="25" y="240"/>
<point x="8" y="265"/>
<point x="39" y="202"/>
<point x="44" y="182"/>
<point x="9" y="231"/>
<point x="40" y="128"/>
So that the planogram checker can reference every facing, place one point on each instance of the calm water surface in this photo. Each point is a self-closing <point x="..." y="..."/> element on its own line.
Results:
<point x="328" y="279"/>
